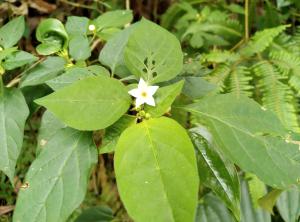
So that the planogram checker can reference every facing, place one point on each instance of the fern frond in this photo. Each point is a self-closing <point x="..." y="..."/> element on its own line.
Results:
<point x="239" y="81"/>
<point x="262" y="40"/>
<point x="218" y="76"/>
<point x="277" y="96"/>
<point x="219" y="56"/>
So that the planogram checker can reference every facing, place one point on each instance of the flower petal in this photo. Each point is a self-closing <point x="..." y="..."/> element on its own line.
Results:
<point x="135" y="92"/>
<point x="152" y="89"/>
<point x="150" y="101"/>
<point x="139" y="101"/>
<point x="142" y="84"/>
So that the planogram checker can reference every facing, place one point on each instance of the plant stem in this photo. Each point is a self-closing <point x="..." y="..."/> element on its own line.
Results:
<point x="127" y="5"/>
<point x="246" y="20"/>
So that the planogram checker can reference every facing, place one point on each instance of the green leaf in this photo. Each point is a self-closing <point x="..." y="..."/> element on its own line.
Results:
<point x="57" y="180"/>
<point x="75" y="74"/>
<point x="52" y="35"/>
<point x="211" y="209"/>
<point x="96" y="214"/>
<point x="288" y="205"/>
<point x="217" y="174"/>
<point x="112" y="54"/>
<point x="249" y="213"/>
<point x="156" y="169"/>
<point x="153" y="53"/>
<point x="113" y="133"/>
<point x="18" y="59"/>
<point x="79" y="46"/>
<point x="89" y="104"/>
<point x="164" y="97"/>
<point x="268" y="201"/>
<point x="13" y="114"/>
<point x="12" y="32"/>
<point x="113" y="19"/>
<point x="48" y="69"/>
<point x="196" y="87"/>
<point x="243" y="132"/>
<point x="49" y="126"/>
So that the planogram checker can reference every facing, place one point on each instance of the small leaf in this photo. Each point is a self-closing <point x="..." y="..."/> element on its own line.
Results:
<point x="156" y="169"/>
<point x="217" y="174"/>
<point x="89" y="104"/>
<point x="268" y="201"/>
<point x="57" y="179"/>
<point x="113" y="133"/>
<point x="48" y="69"/>
<point x="153" y="53"/>
<point x="164" y="97"/>
<point x="18" y="59"/>
<point x="288" y="205"/>
<point x="96" y="214"/>
<point x="13" y="114"/>
<point x="11" y="32"/>
<point x="211" y="209"/>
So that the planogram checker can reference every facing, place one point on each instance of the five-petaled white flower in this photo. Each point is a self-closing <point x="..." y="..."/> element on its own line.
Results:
<point x="143" y="93"/>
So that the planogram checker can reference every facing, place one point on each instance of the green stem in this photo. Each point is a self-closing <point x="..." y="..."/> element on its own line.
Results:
<point x="246" y="20"/>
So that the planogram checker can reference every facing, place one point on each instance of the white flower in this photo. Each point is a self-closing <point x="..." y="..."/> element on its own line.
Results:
<point x="92" y="27"/>
<point x="144" y="93"/>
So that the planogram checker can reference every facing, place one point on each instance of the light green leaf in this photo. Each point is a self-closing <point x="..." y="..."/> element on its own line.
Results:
<point x="268" y="201"/>
<point x="13" y="114"/>
<point x="217" y="174"/>
<point x="197" y="87"/>
<point x="75" y="74"/>
<point x="89" y="104"/>
<point x="57" y="180"/>
<point x="11" y="32"/>
<point x="249" y="213"/>
<point x="288" y="205"/>
<point x="96" y="214"/>
<point x="49" y="126"/>
<point x="113" y="133"/>
<point x="153" y="53"/>
<point x="164" y="97"/>
<point x="18" y="59"/>
<point x="48" y="69"/>
<point x="243" y="132"/>
<point x="156" y="170"/>
<point x="113" y="19"/>
<point x="211" y="209"/>
<point x="77" y="25"/>
<point x="112" y="54"/>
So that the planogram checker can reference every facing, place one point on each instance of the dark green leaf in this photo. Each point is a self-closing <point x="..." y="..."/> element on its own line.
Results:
<point x="18" y="59"/>
<point x="96" y="214"/>
<point x="11" y="32"/>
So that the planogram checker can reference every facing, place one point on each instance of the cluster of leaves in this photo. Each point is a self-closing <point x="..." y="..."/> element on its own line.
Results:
<point x="203" y="124"/>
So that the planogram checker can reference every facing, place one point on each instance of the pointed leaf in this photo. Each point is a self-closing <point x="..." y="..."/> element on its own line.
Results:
<point x="288" y="205"/>
<point x="156" y="170"/>
<point x="89" y="104"/>
<point x="57" y="180"/>
<point x="11" y="32"/>
<point x="13" y="114"/>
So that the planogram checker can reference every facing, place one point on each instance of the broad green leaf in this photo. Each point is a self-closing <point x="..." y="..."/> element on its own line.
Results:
<point x="57" y="180"/>
<point x="164" y="97"/>
<point x="75" y="74"/>
<point x="112" y="54"/>
<point x="48" y="69"/>
<point x="268" y="201"/>
<point x="52" y="35"/>
<point x="11" y="32"/>
<point x="79" y="46"/>
<point x="89" y="104"/>
<point x="211" y="209"/>
<point x="96" y="214"/>
<point x="18" y="59"/>
<point x="113" y="19"/>
<point x="249" y="213"/>
<point x="217" y="174"/>
<point x="13" y="114"/>
<point x="244" y="133"/>
<point x="156" y="172"/>
<point x="153" y="53"/>
<point x="197" y="87"/>
<point x="288" y="205"/>
<point x="49" y="126"/>
<point x="113" y="133"/>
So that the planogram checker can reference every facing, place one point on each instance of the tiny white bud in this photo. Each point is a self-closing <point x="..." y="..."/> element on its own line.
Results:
<point x="1" y="49"/>
<point x="126" y="25"/>
<point x="92" y="27"/>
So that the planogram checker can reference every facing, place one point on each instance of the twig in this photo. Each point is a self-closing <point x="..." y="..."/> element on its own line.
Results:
<point x="127" y="5"/>
<point x="246" y="20"/>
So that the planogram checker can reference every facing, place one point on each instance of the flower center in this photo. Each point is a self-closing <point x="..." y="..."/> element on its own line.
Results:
<point x="144" y="94"/>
